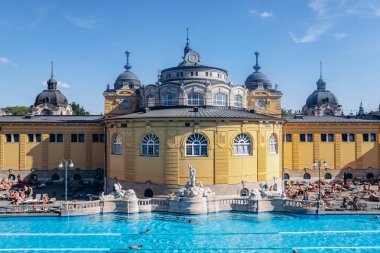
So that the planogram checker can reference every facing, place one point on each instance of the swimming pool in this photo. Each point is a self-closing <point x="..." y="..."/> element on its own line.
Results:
<point x="220" y="232"/>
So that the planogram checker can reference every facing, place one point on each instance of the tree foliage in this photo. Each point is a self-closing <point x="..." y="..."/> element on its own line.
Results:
<point x="17" y="110"/>
<point x="78" y="109"/>
<point x="287" y="112"/>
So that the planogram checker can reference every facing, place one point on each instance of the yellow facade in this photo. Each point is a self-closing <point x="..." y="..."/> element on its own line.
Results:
<point x="25" y="155"/>
<point x="346" y="151"/>
<point x="170" y="167"/>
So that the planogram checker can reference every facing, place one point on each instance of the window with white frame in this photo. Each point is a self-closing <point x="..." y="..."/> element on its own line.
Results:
<point x="169" y="99"/>
<point x="150" y="145"/>
<point x="238" y="101"/>
<point x="116" y="150"/>
<point x="242" y="145"/>
<point x="195" y="99"/>
<point x="273" y="144"/>
<point x="220" y="99"/>
<point x="196" y="145"/>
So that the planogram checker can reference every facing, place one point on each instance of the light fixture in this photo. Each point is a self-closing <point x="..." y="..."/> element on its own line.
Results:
<point x="71" y="165"/>
<point x="60" y="165"/>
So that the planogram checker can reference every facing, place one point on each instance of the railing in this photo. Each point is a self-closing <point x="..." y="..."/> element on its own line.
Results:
<point x="26" y="209"/>
<point x="361" y="206"/>
<point x="300" y="203"/>
<point x="81" y="205"/>
<point x="145" y="202"/>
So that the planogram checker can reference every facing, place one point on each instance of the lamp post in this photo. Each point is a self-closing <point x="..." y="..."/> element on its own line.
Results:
<point x="319" y="164"/>
<point x="66" y="164"/>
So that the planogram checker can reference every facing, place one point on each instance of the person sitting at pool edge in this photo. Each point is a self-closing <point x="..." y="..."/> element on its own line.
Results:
<point x="145" y="232"/>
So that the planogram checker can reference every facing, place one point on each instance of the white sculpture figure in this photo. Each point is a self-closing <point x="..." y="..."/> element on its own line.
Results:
<point x="255" y="194"/>
<point x="193" y="188"/>
<point x="119" y="193"/>
<point x="192" y="175"/>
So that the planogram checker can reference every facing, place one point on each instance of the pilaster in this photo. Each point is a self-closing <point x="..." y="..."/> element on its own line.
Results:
<point x="171" y="157"/>
<point x="295" y="148"/>
<point x="88" y="147"/>
<point x="2" y="161"/>
<point x="358" y="151"/>
<point x="262" y="157"/>
<point x="337" y="150"/>
<point x="45" y="151"/>
<point x="22" y="150"/>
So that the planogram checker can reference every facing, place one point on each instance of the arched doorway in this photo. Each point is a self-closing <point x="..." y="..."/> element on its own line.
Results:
<point x="148" y="193"/>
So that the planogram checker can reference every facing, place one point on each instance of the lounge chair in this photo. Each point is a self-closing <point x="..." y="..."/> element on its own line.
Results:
<point x="37" y="198"/>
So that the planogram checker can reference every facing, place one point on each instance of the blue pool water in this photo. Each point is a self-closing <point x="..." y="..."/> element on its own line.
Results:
<point x="222" y="232"/>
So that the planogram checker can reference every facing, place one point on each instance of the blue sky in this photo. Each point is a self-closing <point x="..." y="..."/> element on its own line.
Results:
<point x="87" y="39"/>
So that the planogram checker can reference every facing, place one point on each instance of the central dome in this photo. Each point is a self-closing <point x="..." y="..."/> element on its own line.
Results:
<point x="53" y="97"/>
<point x="320" y="97"/>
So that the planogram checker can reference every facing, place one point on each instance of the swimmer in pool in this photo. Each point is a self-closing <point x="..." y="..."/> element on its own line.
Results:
<point x="375" y="218"/>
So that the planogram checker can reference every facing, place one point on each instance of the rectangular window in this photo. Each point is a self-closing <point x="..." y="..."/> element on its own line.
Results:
<point x="206" y="73"/>
<point x="181" y="73"/>
<point x="302" y="137"/>
<point x="351" y="137"/>
<point x="59" y="137"/>
<point x="330" y="137"/>
<point x="177" y="74"/>
<point x="309" y="138"/>
<point x="95" y="138"/>
<point x="372" y="137"/>
<point x="323" y="137"/>
<point x="123" y="125"/>
<point x="81" y="137"/>
<point x="51" y="137"/>
<point x="345" y="137"/>
<point x="8" y="137"/>
<point x="365" y="137"/>
<point x="38" y="137"/>
<point x="192" y="73"/>
<point x="288" y="138"/>
<point x="31" y="137"/>
<point x="74" y="138"/>
<point x="196" y="73"/>
<point x="211" y="74"/>
<point x="16" y="138"/>
<point x="101" y="137"/>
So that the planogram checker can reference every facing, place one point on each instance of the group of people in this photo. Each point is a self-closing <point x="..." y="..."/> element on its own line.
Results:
<point x="348" y="191"/>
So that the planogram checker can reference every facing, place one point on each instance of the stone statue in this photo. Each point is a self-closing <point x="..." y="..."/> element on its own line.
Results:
<point x="192" y="175"/>
<point x="119" y="193"/>
<point x="255" y="194"/>
<point x="193" y="188"/>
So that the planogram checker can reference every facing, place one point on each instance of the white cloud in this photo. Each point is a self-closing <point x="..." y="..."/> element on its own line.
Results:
<point x="312" y="33"/>
<point x="60" y="84"/>
<point x="4" y="61"/>
<point x="262" y="14"/>
<point x="266" y="14"/>
<point x="82" y="23"/>
<point x="339" y="36"/>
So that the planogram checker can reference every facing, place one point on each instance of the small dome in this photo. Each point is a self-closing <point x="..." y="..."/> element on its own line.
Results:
<point x="127" y="78"/>
<point x="257" y="78"/>
<point x="320" y="97"/>
<point x="52" y="83"/>
<point x="53" y="97"/>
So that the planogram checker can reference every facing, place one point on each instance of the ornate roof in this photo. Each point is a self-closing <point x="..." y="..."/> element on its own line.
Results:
<point x="257" y="78"/>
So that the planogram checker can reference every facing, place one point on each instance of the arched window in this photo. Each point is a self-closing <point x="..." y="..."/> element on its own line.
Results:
<point x="116" y="145"/>
<point x="306" y="176"/>
<point x="349" y="176"/>
<point x="328" y="176"/>
<point x="220" y="99"/>
<point x="195" y="99"/>
<point x="148" y="193"/>
<point x="370" y="176"/>
<point x="244" y="192"/>
<point x="169" y="99"/>
<point x="286" y="176"/>
<point x="273" y="144"/>
<point x="126" y="104"/>
<point x="196" y="145"/>
<point x="46" y="112"/>
<point x="238" y="101"/>
<point x="150" y="101"/>
<point x="242" y="145"/>
<point x="150" y="145"/>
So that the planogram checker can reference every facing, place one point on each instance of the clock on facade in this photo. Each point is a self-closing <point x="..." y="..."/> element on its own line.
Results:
<point x="192" y="57"/>
<point x="261" y="103"/>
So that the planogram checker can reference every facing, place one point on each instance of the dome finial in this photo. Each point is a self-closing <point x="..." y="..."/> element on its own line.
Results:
<point x="52" y="69"/>
<point x="257" y="66"/>
<point x="187" y="35"/>
<point x="127" y="66"/>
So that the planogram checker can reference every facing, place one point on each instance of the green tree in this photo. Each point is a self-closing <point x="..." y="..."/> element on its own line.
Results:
<point x="287" y="112"/>
<point x="17" y="110"/>
<point x="78" y="109"/>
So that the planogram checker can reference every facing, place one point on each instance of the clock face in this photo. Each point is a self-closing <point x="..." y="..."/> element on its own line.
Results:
<point x="192" y="58"/>
<point x="261" y="103"/>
